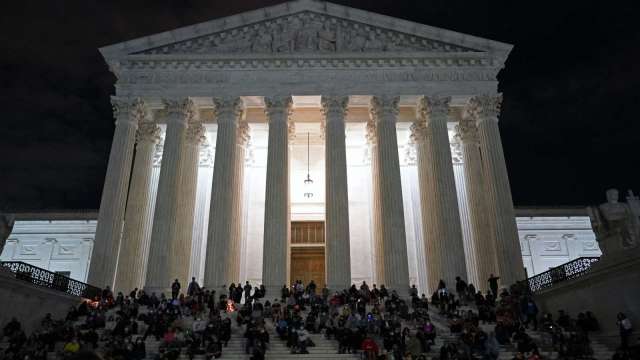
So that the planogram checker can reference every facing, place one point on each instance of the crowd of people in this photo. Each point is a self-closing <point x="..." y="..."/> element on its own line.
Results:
<point x="374" y="322"/>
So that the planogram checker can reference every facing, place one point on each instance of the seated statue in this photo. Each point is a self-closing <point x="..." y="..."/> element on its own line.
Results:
<point x="6" y="226"/>
<point x="616" y="226"/>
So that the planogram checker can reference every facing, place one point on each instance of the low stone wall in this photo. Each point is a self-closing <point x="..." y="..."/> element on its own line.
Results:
<point x="610" y="287"/>
<point x="30" y="303"/>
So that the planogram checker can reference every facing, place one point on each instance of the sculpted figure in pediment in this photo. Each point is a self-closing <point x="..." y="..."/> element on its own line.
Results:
<point x="307" y="38"/>
<point x="284" y="38"/>
<point x="262" y="42"/>
<point x="327" y="38"/>
<point x="373" y="43"/>
<point x="355" y="41"/>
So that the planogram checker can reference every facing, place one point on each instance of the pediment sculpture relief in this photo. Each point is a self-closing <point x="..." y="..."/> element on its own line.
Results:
<point x="305" y="32"/>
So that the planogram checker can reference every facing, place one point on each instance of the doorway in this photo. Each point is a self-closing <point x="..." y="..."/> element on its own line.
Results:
<point x="307" y="252"/>
<point x="307" y="263"/>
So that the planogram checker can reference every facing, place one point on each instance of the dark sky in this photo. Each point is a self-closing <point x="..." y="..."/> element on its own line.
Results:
<point x="570" y="122"/>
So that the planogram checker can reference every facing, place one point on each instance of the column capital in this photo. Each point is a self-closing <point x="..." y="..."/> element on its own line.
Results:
<point x="431" y="108"/>
<point x="195" y="134"/>
<point x="334" y="107"/>
<point x="370" y="135"/>
<point x="278" y="108"/>
<point x="129" y="110"/>
<point x="180" y="110"/>
<point x="244" y="133"/>
<point x="419" y="131"/>
<point x="485" y="107"/>
<point x="384" y="107"/>
<point x="467" y="130"/>
<point x="148" y="131"/>
<point x="291" y="131"/>
<point x="228" y="109"/>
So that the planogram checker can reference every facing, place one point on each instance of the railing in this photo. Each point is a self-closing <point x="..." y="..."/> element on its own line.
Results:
<point x="567" y="271"/>
<point x="51" y="280"/>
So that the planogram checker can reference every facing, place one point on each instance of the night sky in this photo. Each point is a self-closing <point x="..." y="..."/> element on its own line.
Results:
<point x="570" y="122"/>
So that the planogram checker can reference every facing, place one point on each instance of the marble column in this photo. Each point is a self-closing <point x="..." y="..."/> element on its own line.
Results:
<point x="275" y="262"/>
<point x="180" y="261"/>
<point x="393" y="260"/>
<point x="376" y="231"/>
<point x="499" y="204"/>
<point x="482" y="247"/>
<point x="218" y="272"/>
<point x="114" y="194"/>
<point x="160" y="265"/>
<point x="134" y="247"/>
<point x="243" y="138"/>
<point x="442" y="231"/>
<point x="337" y="242"/>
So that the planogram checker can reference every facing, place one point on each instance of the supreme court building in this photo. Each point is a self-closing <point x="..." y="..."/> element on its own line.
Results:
<point x="306" y="140"/>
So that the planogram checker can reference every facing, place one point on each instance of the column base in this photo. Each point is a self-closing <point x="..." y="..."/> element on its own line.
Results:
<point x="403" y="291"/>
<point x="333" y="288"/>
<point x="159" y="290"/>
<point x="273" y="292"/>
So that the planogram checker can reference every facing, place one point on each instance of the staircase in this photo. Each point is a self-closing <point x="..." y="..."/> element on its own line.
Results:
<point x="328" y="349"/>
<point x="601" y="351"/>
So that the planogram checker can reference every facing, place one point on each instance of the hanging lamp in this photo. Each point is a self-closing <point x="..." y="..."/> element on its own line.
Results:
<point x="308" y="182"/>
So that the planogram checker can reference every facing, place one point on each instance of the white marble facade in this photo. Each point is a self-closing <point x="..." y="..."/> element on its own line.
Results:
<point x="551" y="237"/>
<point x="548" y="237"/>
<point x="58" y="242"/>
<point x="228" y="105"/>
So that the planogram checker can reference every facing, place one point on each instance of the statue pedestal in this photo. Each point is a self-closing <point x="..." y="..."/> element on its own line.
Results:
<point x="611" y="286"/>
<point x="30" y="303"/>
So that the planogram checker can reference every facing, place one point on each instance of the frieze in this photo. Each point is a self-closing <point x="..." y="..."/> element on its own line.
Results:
<point x="306" y="32"/>
<point x="307" y="62"/>
<point x="370" y="76"/>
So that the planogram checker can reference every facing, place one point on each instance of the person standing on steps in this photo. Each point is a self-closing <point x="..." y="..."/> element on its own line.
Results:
<point x="232" y="291"/>
<point x="493" y="284"/>
<point x="194" y="287"/>
<point x="175" y="289"/>
<point x="247" y="291"/>
<point x="624" y="324"/>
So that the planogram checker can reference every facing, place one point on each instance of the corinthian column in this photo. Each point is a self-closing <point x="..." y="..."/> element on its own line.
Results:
<point x="134" y="247"/>
<point x="114" y="193"/>
<point x="441" y="228"/>
<point x="179" y="262"/>
<point x="275" y="262"/>
<point x="238" y="196"/>
<point x="501" y="215"/>
<point x="482" y="252"/>
<point x="337" y="247"/>
<point x="161" y="266"/>
<point x="222" y="218"/>
<point x="392" y="266"/>
<point x="376" y="233"/>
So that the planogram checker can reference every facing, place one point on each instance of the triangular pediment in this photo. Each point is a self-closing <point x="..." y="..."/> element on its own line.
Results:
<point x="305" y="27"/>
<point x="306" y="32"/>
